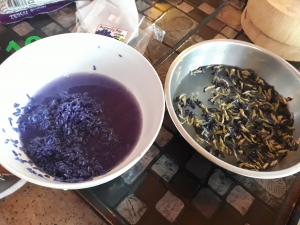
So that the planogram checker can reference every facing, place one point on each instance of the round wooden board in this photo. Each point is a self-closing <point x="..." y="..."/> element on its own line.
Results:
<point x="288" y="52"/>
<point x="288" y="7"/>
<point x="274" y="23"/>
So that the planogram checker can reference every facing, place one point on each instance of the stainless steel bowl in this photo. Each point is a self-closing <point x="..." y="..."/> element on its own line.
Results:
<point x="275" y="70"/>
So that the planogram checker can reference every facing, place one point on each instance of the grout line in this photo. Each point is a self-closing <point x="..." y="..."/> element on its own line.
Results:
<point x="189" y="34"/>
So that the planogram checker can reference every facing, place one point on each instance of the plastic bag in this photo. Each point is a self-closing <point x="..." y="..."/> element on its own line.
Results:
<point x="146" y="32"/>
<point x="112" y="18"/>
<point x="12" y="11"/>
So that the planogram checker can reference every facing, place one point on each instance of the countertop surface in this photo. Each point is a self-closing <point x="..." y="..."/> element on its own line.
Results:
<point x="33" y="205"/>
<point x="172" y="183"/>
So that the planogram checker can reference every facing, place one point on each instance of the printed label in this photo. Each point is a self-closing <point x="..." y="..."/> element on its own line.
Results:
<point x="112" y="32"/>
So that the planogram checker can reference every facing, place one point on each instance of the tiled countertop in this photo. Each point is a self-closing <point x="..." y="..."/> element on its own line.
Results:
<point x="172" y="183"/>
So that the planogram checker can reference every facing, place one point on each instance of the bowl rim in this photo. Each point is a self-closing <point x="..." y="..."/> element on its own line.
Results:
<point x="249" y="173"/>
<point x="107" y="178"/>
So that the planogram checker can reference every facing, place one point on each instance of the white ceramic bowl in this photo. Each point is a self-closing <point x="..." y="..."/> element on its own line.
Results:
<point x="32" y="67"/>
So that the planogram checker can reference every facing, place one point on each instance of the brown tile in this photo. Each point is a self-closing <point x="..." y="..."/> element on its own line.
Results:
<point x="141" y="5"/>
<point x="174" y="2"/>
<point x="195" y="3"/>
<point x="240" y="199"/>
<point x="215" y="24"/>
<point x="163" y="137"/>
<point x="274" y="197"/>
<point x="150" y="190"/>
<point x="199" y="165"/>
<point x="65" y="16"/>
<point x="145" y="23"/>
<point x="168" y="122"/>
<point x="174" y="151"/>
<point x="230" y="16"/>
<point x="185" y="185"/>
<point x="185" y="7"/>
<point x="22" y="28"/>
<point x="228" y="32"/>
<point x="207" y="32"/>
<point x="194" y="39"/>
<point x="197" y="15"/>
<point x="152" y="2"/>
<point x="132" y="209"/>
<point x="243" y="37"/>
<point x="220" y="182"/>
<point x="162" y="70"/>
<point x="153" y="13"/>
<point x="259" y="214"/>
<point x="155" y="50"/>
<point x="220" y="36"/>
<point x="152" y="217"/>
<point x="214" y="3"/>
<point x="176" y="24"/>
<point x="228" y="215"/>
<point x="239" y="4"/>
<point x="206" y="8"/>
<point x="163" y="6"/>
<point x="190" y="216"/>
<point x="169" y="206"/>
<point x="207" y="202"/>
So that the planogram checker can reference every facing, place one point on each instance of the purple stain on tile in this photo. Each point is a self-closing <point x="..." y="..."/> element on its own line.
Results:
<point x="207" y="202"/>
<point x="16" y="105"/>
<point x="130" y="176"/>
<point x="240" y="199"/>
<point x="16" y="146"/>
<point x="169" y="206"/>
<point x="47" y="176"/>
<point x="40" y="175"/>
<point x="3" y="130"/>
<point x="165" y="168"/>
<point x="219" y="182"/>
<point x="16" y="154"/>
<point x="132" y="209"/>
<point x="120" y="55"/>
<point x="94" y="67"/>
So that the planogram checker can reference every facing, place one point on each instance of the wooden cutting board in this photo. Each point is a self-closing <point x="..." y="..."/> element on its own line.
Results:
<point x="288" y="52"/>
<point x="288" y="7"/>
<point x="274" y="23"/>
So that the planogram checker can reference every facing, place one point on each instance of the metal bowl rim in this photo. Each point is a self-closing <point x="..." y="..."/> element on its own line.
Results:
<point x="255" y="174"/>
